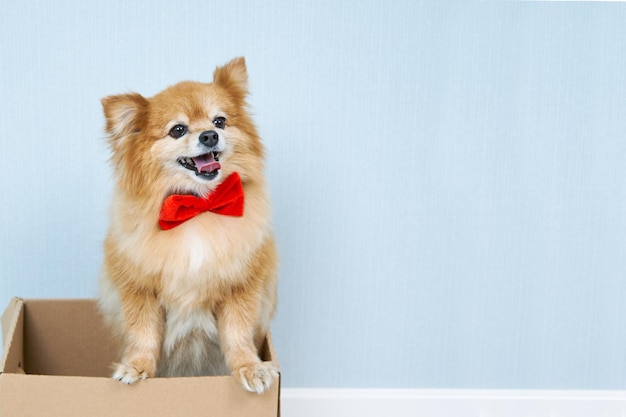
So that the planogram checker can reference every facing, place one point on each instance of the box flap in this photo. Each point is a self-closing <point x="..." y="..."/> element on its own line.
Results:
<point x="13" y="337"/>
<point x="268" y="353"/>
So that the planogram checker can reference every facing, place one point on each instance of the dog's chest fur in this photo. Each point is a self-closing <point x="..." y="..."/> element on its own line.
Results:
<point x="196" y="258"/>
<point x="191" y="345"/>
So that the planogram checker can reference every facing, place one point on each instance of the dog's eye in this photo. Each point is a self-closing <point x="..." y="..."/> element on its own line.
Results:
<point x="219" y="122"/>
<point x="178" y="131"/>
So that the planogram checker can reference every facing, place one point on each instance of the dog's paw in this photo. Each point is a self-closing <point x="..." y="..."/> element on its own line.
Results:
<point x="256" y="377"/>
<point x="129" y="374"/>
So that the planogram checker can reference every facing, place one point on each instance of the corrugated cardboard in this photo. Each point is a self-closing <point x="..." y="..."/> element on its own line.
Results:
<point x="56" y="362"/>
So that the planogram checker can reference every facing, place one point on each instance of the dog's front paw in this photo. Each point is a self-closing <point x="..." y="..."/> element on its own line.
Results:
<point x="128" y="374"/>
<point x="256" y="377"/>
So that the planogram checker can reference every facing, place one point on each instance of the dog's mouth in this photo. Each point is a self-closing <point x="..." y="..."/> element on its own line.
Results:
<point x="205" y="166"/>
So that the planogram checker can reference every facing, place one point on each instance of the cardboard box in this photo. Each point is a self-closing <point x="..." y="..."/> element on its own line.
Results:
<point x="56" y="362"/>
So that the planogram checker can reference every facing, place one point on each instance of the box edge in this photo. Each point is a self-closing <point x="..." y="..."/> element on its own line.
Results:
<point x="10" y="318"/>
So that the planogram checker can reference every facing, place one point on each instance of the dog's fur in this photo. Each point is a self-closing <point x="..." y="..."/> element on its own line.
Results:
<point x="196" y="299"/>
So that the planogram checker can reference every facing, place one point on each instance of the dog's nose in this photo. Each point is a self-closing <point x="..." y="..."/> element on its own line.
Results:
<point x="209" y="138"/>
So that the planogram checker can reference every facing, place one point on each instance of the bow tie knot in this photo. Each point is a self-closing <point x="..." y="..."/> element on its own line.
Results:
<point x="227" y="199"/>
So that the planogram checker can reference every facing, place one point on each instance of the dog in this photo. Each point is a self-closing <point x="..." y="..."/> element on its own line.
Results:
<point x="190" y="290"/>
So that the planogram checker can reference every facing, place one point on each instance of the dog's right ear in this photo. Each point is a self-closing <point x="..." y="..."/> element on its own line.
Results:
<point x="125" y="114"/>
<point x="234" y="77"/>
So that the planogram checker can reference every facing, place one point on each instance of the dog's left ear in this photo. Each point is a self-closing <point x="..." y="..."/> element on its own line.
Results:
<point x="125" y="114"/>
<point x="233" y="77"/>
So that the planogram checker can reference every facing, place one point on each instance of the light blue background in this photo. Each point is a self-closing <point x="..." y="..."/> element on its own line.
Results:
<point x="448" y="179"/>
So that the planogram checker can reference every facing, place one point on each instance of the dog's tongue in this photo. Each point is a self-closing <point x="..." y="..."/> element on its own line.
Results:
<point x="206" y="163"/>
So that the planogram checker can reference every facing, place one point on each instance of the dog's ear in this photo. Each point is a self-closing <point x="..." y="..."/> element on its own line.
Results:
<point x="234" y="78"/>
<point x="125" y="114"/>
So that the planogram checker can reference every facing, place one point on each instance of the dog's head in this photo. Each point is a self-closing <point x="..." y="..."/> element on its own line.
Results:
<point x="187" y="138"/>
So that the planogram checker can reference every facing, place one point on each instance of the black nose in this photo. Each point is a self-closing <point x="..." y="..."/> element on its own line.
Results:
<point x="209" y="138"/>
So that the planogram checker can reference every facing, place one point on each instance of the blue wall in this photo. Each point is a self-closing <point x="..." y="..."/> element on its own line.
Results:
<point x="448" y="179"/>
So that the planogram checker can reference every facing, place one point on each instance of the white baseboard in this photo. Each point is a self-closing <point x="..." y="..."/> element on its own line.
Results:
<point x="298" y="402"/>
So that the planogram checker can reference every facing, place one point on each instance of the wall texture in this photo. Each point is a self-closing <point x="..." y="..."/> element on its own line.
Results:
<point x="448" y="179"/>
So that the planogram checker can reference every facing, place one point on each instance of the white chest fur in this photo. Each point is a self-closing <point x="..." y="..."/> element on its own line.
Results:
<point x="180" y="323"/>
<point x="195" y="254"/>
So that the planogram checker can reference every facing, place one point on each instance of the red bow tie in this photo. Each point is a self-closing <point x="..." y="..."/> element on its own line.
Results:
<point x="227" y="199"/>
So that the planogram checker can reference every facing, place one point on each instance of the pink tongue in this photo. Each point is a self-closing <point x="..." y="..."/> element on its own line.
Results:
<point x="206" y="163"/>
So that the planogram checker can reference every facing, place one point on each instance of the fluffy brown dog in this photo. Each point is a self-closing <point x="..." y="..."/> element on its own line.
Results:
<point x="192" y="297"/>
